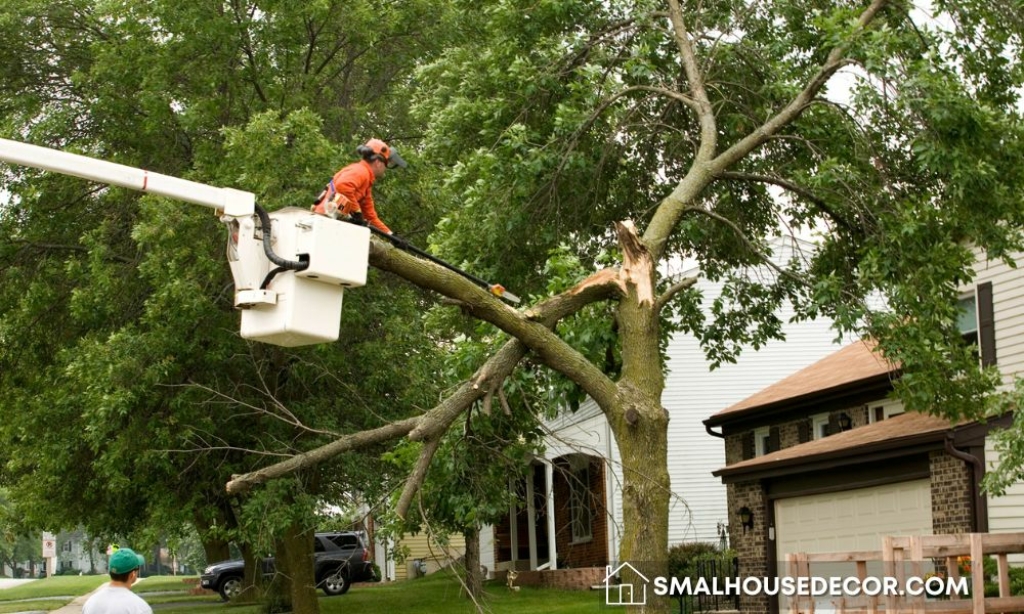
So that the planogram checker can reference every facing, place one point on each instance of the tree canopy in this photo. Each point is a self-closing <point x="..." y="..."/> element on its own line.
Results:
<point x="573" y="150"/>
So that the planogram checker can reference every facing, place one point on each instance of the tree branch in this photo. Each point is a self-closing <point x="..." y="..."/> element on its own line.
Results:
<point x="388" y="432"/>
<point x="673" y="290"/>
<point x="415" y="479"/>
<point x="750" y="244"/>
<point x="66" y="248"/>
<point x="549" y="347"/>
<point x="792" y="187"/>
<point x="791" y="111"/>
<point x="703" y="108"/>
<point x="432" y="424"/>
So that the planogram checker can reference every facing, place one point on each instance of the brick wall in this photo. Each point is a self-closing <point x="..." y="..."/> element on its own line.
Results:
<point x="588" y="553"/>
<point x="952" y="497"/>
<point x="751" y="545"/>
<point x="580" y="579"/>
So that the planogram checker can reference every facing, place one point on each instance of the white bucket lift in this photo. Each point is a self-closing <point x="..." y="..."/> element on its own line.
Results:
<point x="288" y="308"/>
<point x="294" y="308"/>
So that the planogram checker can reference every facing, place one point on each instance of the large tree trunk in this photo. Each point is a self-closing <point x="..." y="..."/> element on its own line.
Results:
<point x="645" y="500"/>
<point x="295" y="568"/>
<point x="640" y="423"/>
<point x="474" y="580"/>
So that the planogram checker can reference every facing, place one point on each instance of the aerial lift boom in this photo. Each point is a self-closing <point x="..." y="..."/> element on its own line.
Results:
<point x="319" y="256"/>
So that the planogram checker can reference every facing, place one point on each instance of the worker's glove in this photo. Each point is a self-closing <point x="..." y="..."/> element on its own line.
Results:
<point x="356" y="217"/>
<point x="398" y="241"/>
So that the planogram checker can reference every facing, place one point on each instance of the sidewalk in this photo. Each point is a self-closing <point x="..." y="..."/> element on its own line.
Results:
<point x="75" y="607"/>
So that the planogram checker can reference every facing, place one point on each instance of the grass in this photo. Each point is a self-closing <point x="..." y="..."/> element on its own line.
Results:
<point x="57" y="586"/>
<point x="438" y="593"/>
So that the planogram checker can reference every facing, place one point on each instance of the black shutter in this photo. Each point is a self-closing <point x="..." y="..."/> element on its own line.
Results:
<point x="803" y="431"/>
<point x="774" y="442"/>
<point x="986" y="325"/>
<point x="833" y="424"/>
<point x="747" y="442"/>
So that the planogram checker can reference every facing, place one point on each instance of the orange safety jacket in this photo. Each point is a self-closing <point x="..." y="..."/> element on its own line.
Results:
<point x="354" y="184"/>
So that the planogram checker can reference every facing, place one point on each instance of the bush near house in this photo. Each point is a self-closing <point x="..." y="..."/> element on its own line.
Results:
<point x="684" y="559"/>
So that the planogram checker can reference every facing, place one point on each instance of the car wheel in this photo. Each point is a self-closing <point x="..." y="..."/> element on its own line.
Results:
<point x="336" y="583"/>
<point x="230" y="588"/>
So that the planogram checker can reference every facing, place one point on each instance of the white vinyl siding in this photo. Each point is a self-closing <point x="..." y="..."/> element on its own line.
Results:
<point x="1008" y="312"/>
<point x="1006" y="513"/>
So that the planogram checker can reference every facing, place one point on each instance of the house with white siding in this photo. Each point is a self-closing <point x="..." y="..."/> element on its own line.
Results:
<point x="824" y="461"/>
<point x="571" y="509"/>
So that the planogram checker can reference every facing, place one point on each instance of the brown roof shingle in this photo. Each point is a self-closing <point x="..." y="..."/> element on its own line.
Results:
<point x="855" y="362"/>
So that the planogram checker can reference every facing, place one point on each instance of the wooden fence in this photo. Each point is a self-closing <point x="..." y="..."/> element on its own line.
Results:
<point x="908" y="557"/>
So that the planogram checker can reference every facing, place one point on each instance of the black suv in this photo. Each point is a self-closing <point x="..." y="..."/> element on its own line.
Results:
<point x="340" y="559"/>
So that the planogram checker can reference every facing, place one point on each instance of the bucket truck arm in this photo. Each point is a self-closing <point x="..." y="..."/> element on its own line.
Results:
<point x="299" y="308"/>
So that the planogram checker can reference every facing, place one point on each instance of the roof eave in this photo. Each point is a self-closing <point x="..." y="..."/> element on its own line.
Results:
<point x="874" y="451"/>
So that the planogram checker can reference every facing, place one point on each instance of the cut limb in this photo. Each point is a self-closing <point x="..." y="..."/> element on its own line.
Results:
<point x="432" y="424"/>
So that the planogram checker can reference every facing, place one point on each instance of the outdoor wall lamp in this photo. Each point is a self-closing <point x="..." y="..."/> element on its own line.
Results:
<point x="845" y="423"/>
<point x="746" y="518"/>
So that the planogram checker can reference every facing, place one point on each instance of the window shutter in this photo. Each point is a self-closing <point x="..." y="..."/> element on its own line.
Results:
<point x="747" y="442"/>
<point x="986" y="325"/>
<point x="803" y="431"/>
<point x="774" y="438"/>
<point x="833" y="424"/>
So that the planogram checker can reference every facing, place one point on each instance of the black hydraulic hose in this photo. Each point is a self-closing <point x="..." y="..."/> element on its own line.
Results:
<point x="282" y="265"/>
<point x="289" y="265"/>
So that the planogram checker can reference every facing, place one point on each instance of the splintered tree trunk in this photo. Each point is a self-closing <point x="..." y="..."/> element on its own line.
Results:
<point x="640" y="424"/>
<point x="474" y="581"/>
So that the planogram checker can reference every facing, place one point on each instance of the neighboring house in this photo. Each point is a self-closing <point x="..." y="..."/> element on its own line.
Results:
<point x="825" y="461"/>
<point x="572" y="505"/>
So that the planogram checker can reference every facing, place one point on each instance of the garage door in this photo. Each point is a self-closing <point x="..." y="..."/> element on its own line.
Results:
<point x="853" y="519"/>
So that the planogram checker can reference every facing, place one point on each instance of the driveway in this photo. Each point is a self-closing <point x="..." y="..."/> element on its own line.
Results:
<point x="9" y="583"/>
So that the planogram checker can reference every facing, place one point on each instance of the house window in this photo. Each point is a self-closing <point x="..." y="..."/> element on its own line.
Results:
<point x="819" y="426"/>
<point x="762" y="441"/>
<point x="885" y="410"/>
<point x="580" y="513"/>
<point x="976" y="322"/>
<point x="968" y="320"/>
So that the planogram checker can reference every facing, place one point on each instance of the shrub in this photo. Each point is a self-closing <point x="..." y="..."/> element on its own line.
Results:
<point x="683" y="558"/>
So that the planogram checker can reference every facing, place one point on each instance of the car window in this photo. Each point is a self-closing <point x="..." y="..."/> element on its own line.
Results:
<point x="344" y="541"/>
<point x="318" y="546"/>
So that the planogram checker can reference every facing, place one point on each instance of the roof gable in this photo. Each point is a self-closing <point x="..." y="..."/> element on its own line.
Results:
<point x="857" y="362"/>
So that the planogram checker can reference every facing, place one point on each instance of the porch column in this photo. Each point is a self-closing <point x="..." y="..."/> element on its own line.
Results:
<point x="531" y="515"/>
<point x="549" y="481"/>
<point x="513" y="530"/>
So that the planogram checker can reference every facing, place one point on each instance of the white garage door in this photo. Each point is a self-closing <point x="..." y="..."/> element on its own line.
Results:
<point x="853" y="519"/>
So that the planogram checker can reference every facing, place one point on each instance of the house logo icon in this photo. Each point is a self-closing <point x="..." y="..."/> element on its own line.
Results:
<point x="624" y="594"/>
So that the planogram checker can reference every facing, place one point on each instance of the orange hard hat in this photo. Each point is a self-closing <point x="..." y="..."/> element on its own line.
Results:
<point x="377" y="147"/>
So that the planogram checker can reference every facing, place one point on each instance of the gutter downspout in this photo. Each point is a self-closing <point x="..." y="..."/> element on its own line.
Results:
<point x="978" y="502"/>
<point x="707" y="427"/>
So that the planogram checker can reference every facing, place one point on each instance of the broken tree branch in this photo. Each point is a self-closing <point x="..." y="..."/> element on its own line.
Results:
<point x="431" y="425"/>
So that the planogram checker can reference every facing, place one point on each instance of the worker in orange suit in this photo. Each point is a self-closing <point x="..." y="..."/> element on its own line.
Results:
<point x="350" y="193"/>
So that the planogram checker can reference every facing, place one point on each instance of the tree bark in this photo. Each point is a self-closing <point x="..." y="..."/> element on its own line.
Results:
<point x="474" y="586"/>
<point x="639" y="420"/>
<point x="295" y="568"/>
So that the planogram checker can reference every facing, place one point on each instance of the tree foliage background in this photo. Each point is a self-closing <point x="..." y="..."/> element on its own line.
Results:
<point x="890" y="131"/>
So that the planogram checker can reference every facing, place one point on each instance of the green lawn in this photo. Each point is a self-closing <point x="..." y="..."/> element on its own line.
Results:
<point x="438" y="593"/>
<point x="57" y="586"/>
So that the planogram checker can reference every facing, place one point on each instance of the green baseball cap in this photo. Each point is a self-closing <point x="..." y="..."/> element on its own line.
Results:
<point x="125" y="560"/>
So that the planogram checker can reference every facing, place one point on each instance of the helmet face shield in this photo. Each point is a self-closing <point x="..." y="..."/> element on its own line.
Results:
<point x="394" y="160"/>
<point x="380" y="149"/>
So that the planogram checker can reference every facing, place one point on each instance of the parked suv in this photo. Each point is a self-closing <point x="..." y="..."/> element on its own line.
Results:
<point x="340" y="558"/>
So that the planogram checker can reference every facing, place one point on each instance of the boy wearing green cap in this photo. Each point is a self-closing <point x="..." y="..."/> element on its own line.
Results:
<point x="117" y="597"/>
